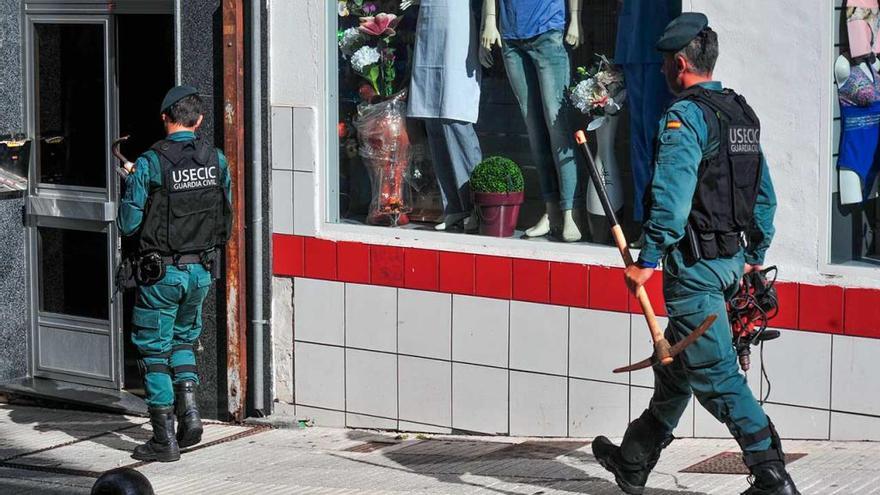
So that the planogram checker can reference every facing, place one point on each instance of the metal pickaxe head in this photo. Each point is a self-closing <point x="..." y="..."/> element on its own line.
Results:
<point x="118" y="154"/>
<point x="675" y="350"/>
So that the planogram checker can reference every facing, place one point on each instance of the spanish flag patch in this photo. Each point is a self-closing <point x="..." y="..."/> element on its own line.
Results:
<point x="673" y="124"/>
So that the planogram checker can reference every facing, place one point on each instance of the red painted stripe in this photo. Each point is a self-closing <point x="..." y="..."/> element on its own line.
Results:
<point x="827" y="309"/>
<point x="607" y="289"/>
<point x="287" y="255"/>
<point x="570" y="285"/>
<point x="354" y="262"/>
<point x="494" y="277"/>
<point x="862" y="313"/>
<point x="820" y="308"/>
<point x="421" y="269"/>
<point x="320" y="259"/>
<point x="386" y="265"/>
<point x="531" y="280"/>
<point x="457" y="273"/>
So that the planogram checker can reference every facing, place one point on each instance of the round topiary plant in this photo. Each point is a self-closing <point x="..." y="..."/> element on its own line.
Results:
<point x="497" y="174"/>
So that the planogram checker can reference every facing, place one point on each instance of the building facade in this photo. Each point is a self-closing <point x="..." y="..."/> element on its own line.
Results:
<point x="407" y="328"/>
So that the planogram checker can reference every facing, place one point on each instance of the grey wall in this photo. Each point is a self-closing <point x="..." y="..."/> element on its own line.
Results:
<point x="11" y="119"/>
<point x="13" y="289"/>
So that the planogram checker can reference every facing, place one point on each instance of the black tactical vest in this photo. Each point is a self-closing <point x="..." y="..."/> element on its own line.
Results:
<point x="728" y="181"/>
<point x="189" y="213"/>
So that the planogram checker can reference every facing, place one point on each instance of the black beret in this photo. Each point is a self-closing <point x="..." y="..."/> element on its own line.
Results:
<point x="176" y="94"/>
<point x="681" y="31"/>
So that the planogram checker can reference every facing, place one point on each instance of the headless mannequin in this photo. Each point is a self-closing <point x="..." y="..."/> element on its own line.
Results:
<point x="850" y="185"/>
<point x="574" y="37"/>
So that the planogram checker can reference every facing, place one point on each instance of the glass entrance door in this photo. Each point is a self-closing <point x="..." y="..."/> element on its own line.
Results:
<point x="73" y="242"/>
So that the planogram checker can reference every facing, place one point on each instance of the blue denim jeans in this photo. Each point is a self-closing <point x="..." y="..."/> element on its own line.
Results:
<point x="455" y="150"/>
<point x="647" y="97"/>
<point x="540" y="72"/>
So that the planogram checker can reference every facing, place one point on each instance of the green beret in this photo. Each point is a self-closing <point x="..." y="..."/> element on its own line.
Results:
<point x="681" y="31"/>
<point x="176" y="94"/>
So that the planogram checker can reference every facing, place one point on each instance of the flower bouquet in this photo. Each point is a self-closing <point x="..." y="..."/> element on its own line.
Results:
<point x="599" y="92"/>
<point x="381" y="127"/>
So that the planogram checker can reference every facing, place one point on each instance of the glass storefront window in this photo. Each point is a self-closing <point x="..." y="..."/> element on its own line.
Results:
<point x="416" y="100"/>
<point x="855" y="218"/>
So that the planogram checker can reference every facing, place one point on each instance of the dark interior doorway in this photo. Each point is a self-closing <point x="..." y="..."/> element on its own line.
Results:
<point x="145" y="71"/>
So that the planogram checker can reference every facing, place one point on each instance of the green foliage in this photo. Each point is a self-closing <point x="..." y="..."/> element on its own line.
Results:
<point x="497" y="174"/>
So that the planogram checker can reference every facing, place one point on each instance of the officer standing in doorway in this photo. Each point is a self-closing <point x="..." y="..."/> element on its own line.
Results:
<point x="177" y="198"/>
<point x="710" y="219"/>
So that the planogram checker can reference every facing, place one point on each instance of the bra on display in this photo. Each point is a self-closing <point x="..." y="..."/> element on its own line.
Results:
<point x="863" y="27"/>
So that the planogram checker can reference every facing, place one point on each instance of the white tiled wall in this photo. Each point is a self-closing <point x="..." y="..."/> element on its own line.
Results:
<point x="371" y="317"/>
<point x="855" y="368"/>
<point x="599" y="342"/>
<point x="294" y="154"/>
<point x="424" y="324"/>
<point x="538" y="338"/>
<point x="319" y="311"/>
<point x="381" y="357"/>
<point x="480" y="330"/>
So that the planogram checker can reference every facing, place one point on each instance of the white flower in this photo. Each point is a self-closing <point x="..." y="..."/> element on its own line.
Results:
<point x="342" y="8"/>
<point x="352" y="39"/>
<point x="582" y="96"/>
<point x="364" y="57"/>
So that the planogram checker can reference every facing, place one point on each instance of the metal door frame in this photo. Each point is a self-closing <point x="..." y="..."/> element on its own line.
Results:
<point x="73" y="207"/>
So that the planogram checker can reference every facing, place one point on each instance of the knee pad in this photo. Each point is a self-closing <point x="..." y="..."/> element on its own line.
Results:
<point x="774" y="453"/>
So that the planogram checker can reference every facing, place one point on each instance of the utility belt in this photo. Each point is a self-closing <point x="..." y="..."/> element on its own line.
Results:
<point x="698" y="245"/>
<point x="150" y="268"/>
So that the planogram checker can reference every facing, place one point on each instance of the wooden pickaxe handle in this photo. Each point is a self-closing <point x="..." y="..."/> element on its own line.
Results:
<point x="662" y="349"/>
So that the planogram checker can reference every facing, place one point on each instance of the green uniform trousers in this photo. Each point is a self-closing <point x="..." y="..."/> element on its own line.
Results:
<point x="709" y="368"/>
<point x="167" y="320"/>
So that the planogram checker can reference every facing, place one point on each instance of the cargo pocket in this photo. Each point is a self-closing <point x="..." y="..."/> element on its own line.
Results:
<point x="685" y="315"/>
<point x="146" y="334"/>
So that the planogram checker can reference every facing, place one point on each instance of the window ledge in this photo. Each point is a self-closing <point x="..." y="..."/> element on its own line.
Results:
<point x="513" y="247"/>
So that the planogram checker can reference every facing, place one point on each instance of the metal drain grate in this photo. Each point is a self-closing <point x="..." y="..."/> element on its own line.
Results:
<point x="537" y="450"/>
<point x="728" y="463"/>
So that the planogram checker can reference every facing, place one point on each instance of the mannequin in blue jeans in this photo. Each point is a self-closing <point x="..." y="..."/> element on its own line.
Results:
<point x="640" y="24"/>
<point x="539" y="71"/>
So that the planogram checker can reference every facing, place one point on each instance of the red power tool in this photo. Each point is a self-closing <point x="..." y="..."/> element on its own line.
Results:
<point x="751" y="310"/>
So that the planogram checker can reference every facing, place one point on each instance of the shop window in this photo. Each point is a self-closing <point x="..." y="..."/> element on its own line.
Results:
<point x="855" y="220"/>
<point x="387" y="163"/>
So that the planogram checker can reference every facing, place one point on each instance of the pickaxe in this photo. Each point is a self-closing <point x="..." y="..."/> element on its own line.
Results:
<point x="122" y="171"/>
<point x="664" y="353"/>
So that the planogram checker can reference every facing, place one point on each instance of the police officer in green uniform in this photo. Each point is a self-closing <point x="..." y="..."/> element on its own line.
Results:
<point x="177" y="200"/>
<point x="710" y="219"/>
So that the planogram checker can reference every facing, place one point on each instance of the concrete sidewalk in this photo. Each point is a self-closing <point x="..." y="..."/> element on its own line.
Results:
<point x="46" y="451"/>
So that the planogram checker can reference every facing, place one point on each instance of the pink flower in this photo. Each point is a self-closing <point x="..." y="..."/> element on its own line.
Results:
<point x="601" y="101"/>
<point x="380" y="25"/>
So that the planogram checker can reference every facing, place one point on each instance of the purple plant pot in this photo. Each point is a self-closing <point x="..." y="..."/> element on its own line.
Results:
<point x="498" y="212"/>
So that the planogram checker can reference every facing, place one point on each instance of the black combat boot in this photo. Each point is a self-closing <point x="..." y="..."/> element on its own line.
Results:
<point x="632" y="462"/>
<point x="189" y="423"/>
<point x="771" y="478"/>
<point x="163" y="446"/>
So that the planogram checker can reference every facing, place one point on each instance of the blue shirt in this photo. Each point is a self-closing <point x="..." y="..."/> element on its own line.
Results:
<point x="639" y="26"/>
<point x="146" y="177"/>
<point x="681" y="148"/>
<point x="523" y="19"/>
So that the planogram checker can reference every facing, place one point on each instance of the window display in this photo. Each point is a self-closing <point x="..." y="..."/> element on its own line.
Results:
<point x="857" y="78"/>
<point x="429" y="88"/>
